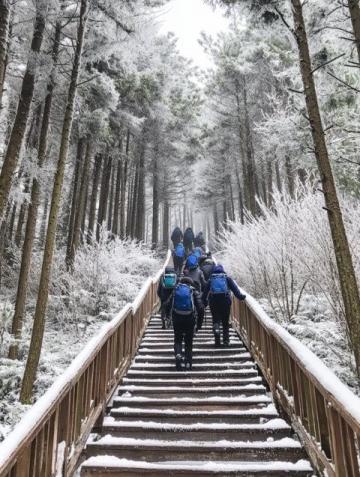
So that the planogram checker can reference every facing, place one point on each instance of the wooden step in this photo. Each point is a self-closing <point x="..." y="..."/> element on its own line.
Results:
<point x="115" y="467"/>
<point x="179" y="403"/>
<point x="172" y="392"/>
<point x="197" y="358"/>
<point x="198" y="431"/>
<point x="191" y="382"/>
<point x="285" y="449"/>
<point x="244" y="372"/>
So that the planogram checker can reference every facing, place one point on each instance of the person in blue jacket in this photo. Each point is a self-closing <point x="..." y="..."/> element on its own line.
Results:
<point x="217" y="294"/>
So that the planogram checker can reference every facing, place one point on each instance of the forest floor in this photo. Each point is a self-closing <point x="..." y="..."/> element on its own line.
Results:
<point x="316" y="327"/>
<point x="66" y="334"/>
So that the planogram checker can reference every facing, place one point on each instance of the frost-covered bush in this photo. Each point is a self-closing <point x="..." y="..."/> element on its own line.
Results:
<point x="288" y="251"/>
<point x="106" y="275"/>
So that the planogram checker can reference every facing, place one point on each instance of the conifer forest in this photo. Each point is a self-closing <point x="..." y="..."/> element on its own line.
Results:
<point x="111" y="137"/>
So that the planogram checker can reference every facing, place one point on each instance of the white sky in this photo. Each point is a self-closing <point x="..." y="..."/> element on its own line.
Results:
<point x="187" y="19"/>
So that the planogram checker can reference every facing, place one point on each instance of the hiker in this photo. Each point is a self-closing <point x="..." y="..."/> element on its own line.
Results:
<point x="165" y="291"/>
<point x="178" y="255"/>
<point x="187" y="313"/>
<point x="198" y="252"/>
<point x="199" y="240"/>
<point x="193" y="271"/>
<point x="188" y="240"/>
<point x="207" y="265"/>
<point x="218" y="294"/>
<point x="177" y="236"/>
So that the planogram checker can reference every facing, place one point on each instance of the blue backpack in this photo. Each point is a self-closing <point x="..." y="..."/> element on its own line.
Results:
<point x="192" y="262"/>
<point x="197" y="252"/>
<point x="219" y="284"/>
<point x="180" y="251"/>
<point x="183" y="300"/>
<point x="169" y="280"/>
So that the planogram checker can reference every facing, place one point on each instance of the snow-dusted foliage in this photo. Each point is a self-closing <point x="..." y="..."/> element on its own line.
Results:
<point x="285" y="257"/>
<point x="106" y="275"/>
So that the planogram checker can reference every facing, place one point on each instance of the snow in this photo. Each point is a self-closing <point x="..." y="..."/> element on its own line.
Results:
<point x="34" y="415"/>
<point x="268" y="409"/>
<point x="206" y="466"/>
<point x="181" y="389"/>
<point x="310" y="362"/>
<point x="286" y="442"/>
<point x="238" y="399"/>
<point x="271" y="424"/>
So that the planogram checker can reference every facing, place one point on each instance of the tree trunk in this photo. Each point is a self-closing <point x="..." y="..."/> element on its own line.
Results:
<point x="140" y="220"/>
<point x="124" y="168"/>
<point x="80" y="208"/>
<point x="75" y="199"/>
<point x="251" y="171"/>
<point x="4" y="42"/>
<point x="10" y="229"/>
<point x="134" y="207"/>
<point x="269" y="183"/>
<point x="94" y="195"/>
<point x="347" y="277"/>
<point x="166" y="224"/>
<point x="20" y="224"/>
<point x="156" y="204"/>
<point x="84" y="212"/>
<point x="216" y="219"/>
<point x="278" y="176"/>
<point x="19" y="127"/>
<point x="354" y="9"/>
<point x="290" y="176"/>
<point x="42" y="300"/>
<point x="34" y="206"/>
<point x="104" y="195"/>
<point x="115" y="222"/>
<point x="130" y="202"/>
<point x="111" y="197"/>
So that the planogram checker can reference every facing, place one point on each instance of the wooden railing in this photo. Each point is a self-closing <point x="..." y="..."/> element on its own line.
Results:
<point x="322" y="410"/>
<point x="50" y="438"/>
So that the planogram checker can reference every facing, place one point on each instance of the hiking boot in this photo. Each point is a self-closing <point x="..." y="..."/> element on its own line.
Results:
<point x="178" y="361"/>
<point x="188" y="366"/>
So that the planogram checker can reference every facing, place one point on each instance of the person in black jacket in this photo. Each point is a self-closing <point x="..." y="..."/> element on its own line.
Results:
<point x="207" y="265"/>
<point x="164" y="292"/>
<point x="188" y="240"/>
<point x="199" y="240"/>
<point x="177" y="236"/>
<point x="185" y="319"/>
<point x="218" y="294"/>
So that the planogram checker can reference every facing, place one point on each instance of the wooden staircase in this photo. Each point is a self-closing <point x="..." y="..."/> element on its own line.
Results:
<point x="218" y="419"/>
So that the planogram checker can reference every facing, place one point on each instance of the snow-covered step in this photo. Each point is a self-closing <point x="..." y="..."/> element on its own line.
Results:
<point x="208" y="351"/>
<point x="191" y="382"/>
<point x="254" y="415"/>
<point x="197" y="366"/>
<point x="199" y="345"/>
<point x="195" y="403"/>
<point x="284" y="449"/>
<point x="119" y="467"/>
<point x="196" y="373"/>
<point x="197" y="358"/>
<point x="171" y="391"/>
<point x="274" y="428"/>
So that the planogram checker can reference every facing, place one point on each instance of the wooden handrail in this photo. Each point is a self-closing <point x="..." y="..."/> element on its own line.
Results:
<point x="322" y="410"/>
<point x="52" y="434"/>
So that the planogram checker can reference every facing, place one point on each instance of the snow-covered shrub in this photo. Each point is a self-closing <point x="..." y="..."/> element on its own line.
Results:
<point x="288" y="251"/>
<point x="106" y="275"/>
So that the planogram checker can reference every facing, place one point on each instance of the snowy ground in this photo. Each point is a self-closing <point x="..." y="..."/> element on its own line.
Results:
<point x="315" y="326"/>
<point x="117" y="281"/>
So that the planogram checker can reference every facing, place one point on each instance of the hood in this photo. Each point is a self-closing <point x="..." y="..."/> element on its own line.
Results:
<point x="218" y="269"/>
<point x="169" y="270"/>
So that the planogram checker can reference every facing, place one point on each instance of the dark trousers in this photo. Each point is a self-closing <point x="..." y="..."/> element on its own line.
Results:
<point x="166" y="311"/>
<point x="220" y="310"/>
<point x="183" y="331"/>
<point x="178" y="264"/>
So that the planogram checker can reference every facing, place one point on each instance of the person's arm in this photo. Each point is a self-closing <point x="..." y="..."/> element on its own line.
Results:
<point x="202" y="281"/>
<point x="235" y="289"/>
<point x="205" y="295"/>
<point x="199" y="308"/>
